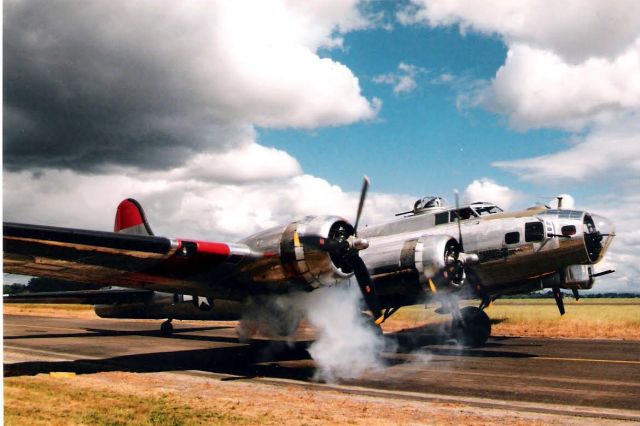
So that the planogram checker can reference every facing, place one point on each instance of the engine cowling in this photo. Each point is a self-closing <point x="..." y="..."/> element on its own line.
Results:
<point x="416" y="260"/>
<point x="305" y="261"/>
<point x="435" y="257"/>
<point x="297" y="261"/>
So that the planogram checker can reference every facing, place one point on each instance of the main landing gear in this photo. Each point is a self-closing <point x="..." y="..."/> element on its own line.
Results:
<point x="166" y="328"/>
<point x="470" y="326"/>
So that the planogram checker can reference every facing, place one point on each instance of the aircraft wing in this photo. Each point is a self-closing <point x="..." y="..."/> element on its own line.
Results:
<point x="119" y="259"/>
<point x="90" y="297"/>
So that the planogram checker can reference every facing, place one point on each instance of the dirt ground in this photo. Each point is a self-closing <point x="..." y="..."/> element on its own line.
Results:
<point x="176" y="399"/>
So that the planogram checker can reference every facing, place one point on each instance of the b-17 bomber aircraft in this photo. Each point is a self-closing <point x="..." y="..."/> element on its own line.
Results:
<point x="430" y="253"/>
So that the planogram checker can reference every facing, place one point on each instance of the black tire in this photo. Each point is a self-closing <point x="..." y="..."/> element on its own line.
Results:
<point x="166" y="329"/>
<point x="474" y="329"/>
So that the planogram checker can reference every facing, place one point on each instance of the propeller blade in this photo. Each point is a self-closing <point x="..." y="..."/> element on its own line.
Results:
<point x="366" y="286"/>
<point x="557" y="294"/>
<point x="363" y="195"/>
<point x="455" y="192"/>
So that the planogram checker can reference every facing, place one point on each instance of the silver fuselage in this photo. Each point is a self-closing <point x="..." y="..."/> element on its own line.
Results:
<point x="514" y="250"/>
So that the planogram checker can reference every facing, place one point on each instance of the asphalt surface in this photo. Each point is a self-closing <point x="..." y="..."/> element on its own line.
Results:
<point x="593" y="378"/>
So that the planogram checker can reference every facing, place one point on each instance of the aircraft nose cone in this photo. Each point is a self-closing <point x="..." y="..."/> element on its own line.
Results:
<point x="598" y="234"/>
<point x="603" y="225"/>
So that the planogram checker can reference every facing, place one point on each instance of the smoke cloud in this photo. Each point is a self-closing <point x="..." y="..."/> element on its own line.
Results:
<point x="346" y="343"/>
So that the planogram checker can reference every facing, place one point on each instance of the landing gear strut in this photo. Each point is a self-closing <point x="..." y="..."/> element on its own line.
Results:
<point x="471" y="326"/>
<point x="166" y="329"/>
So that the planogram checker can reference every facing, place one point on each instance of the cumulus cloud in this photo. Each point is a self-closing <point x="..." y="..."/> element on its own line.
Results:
<point x="569" y="65"/>
<point x="622" y="209"/>
<point x="487" y="190"/>
<point x="403" y="80"/>
<point x="608" y="151"/>
<point x="574" y="29"/>
<point x="183" y="207"/>
<point x="150" y="84"/>
<point x="537" y="88"/>
<point x="248" y="163"/>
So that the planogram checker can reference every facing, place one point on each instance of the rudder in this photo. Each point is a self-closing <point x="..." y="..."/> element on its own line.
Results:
<point x="130" y="219"/>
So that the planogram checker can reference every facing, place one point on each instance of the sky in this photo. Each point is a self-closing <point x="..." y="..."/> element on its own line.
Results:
<point x="223" y="118"/>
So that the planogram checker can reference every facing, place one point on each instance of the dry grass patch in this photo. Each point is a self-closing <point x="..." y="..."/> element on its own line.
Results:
<point x="589" y="318"/>
<point x="54" y="310"/>
<point x="176" y="399"/>
<point x="43" y="400"/>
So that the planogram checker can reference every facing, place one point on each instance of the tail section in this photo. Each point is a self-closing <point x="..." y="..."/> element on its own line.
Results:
<point x="130" y="219"/>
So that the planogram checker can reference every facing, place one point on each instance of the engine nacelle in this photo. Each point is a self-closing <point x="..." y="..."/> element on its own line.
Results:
<point x="433" y="256"/>
<point x="296" y="263"/>
<point x="417" y="260"/>
<point x="305" y="261"/>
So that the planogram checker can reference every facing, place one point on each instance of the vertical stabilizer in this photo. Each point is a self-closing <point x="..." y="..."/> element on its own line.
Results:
<point x="130" y="219"/>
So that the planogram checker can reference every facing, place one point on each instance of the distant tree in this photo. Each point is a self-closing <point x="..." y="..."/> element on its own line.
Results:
<point x="13" y="288"/>
<point x="38" y="285"/>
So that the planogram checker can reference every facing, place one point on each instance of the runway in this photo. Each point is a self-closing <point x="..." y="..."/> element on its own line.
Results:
<point x="592" y="378"/>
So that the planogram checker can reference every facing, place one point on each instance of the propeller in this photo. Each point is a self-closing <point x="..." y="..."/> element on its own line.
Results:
<point x="344" y="247"/>
<point x="456" y="195"/>
<point x="360" y="270"/>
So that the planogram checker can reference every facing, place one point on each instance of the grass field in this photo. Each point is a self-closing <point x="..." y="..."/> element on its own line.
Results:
<point x="588" y="318"/>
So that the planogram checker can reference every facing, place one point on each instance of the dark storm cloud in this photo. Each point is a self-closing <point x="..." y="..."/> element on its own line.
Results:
<point x="87" y="85"/>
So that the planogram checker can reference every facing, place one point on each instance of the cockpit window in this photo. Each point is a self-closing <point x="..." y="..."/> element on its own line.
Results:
<point x="452" y="215"/>
<point x="485" y="210"/>
<point x="465" y="213"/>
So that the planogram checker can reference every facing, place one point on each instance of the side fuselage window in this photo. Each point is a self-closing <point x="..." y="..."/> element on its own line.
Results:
<point x="533" y="231"/>
<point x="512" y="237"/>
<point x="442" y="218"/>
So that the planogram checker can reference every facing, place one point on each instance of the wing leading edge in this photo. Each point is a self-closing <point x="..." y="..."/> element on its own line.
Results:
<point x="90" y="297"/>
<point x="118" y="259"/>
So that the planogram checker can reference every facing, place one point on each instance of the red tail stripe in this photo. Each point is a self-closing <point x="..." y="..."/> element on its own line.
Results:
<point x="207" y="247"/>
<point x="213" y="248"/>
<point x="127" y="216"/>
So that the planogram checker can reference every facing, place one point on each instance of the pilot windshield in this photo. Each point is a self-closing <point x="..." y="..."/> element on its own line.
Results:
<point x="486" y="210"/>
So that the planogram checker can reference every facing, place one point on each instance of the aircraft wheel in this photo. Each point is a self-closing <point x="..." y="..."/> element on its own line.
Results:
<point x="166" y="329"/>
<point x="474" y="329"/>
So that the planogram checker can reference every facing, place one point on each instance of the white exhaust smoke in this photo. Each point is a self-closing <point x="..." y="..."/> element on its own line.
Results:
<point x="347" y="343"/>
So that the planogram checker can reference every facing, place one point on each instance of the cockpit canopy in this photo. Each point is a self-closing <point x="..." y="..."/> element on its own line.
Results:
<point x="437" y="205"/>
<point x="428" y="202"/>
<point x="468" y="212"/>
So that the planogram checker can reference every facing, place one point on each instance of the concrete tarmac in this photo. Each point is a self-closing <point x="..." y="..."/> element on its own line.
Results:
<point x="592" y="378"/>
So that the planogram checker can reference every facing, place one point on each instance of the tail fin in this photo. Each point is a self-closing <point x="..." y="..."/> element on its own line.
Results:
<point x="130" y="219"/>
